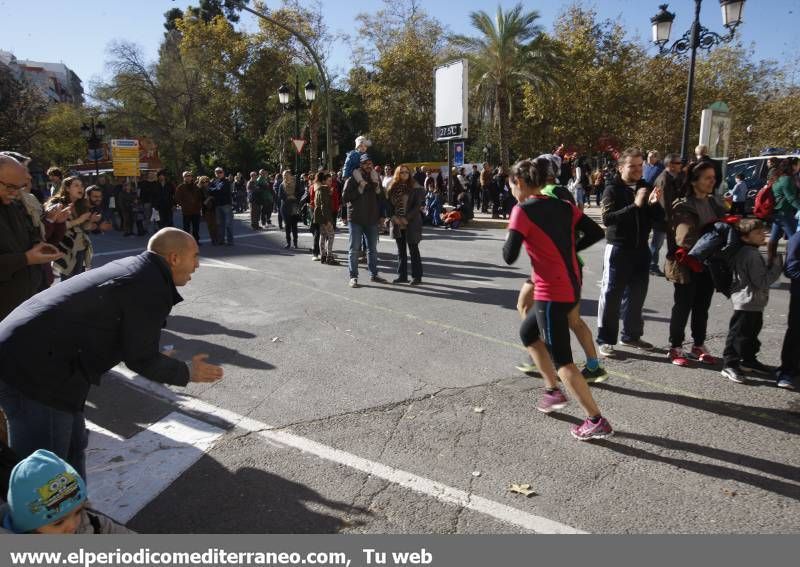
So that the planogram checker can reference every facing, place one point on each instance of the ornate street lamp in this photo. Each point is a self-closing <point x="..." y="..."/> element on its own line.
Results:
<point x="697" y="37"/>
<point x="284" y="97"/>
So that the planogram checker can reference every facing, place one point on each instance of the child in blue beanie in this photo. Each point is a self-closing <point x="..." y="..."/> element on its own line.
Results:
<point x="47" y="496"/>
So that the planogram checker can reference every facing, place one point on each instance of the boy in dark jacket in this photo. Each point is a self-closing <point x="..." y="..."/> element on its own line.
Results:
<point x="790" y="354"/>
<point x="750" y="294"/>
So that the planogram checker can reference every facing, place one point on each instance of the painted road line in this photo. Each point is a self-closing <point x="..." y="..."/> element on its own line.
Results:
<point x="214" y="263"/>
<point x="124" y="475"/>
<point x="411" y="481"/>
<point x="142" y="248"/>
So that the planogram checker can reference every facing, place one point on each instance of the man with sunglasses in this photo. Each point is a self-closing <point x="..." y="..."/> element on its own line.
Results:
<point x="668" y="183"/>
<point x="21" y="251"/>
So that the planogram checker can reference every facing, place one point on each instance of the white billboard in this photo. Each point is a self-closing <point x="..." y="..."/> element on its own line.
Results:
<point x="452" y="101"/>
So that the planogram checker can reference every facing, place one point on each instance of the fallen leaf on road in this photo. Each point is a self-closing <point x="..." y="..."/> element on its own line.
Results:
<point x="275" y="339"/>
<point x="420" y="333"/>
<point x="476" y="474"/>
<point x="478" y="409"/>
<point x="729" y="492"/>
<point x="524" y="489"/>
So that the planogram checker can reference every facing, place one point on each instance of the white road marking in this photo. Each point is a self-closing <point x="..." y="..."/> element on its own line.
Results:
<point x="214" y="263"/>
<point x="426" y="486"/>
<point x="124" y="475"/>
<point x="142" y="248"/>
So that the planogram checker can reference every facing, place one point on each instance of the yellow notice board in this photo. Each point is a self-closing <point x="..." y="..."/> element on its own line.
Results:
<point x="125" y="156"/>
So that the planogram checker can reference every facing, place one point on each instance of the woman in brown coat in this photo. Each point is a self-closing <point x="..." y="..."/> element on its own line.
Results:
<point x="693" y="285"/>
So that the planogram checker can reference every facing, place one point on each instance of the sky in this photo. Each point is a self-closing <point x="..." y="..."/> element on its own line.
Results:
<point x="78" y="32"/>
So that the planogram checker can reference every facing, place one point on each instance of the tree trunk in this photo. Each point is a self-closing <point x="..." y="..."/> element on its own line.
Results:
<point x="501" y="111"/>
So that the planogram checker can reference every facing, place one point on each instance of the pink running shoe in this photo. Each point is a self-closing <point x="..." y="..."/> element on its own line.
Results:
<point x="678" y="357"/>
<point x="703" y="356"/>
<point x="550" y="402"/>
<point x="588" y="430"/>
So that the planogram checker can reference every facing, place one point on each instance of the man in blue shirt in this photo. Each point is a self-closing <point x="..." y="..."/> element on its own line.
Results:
<point x="739" y="195"/>
<point x="220" y="190"/>
<point x="653" y="167"/>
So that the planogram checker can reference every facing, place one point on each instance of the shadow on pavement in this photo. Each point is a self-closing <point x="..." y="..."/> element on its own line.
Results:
<point x="193" y="326"/>
<point x="250" y="500"/>
<point x="218" y="354"/>
<point x="786" y="489"/>
<point x="781" y="420"/>
<point x="484" y="295"/>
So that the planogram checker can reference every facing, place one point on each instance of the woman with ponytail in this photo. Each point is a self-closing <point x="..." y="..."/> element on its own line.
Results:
<point x="553" y="231"/>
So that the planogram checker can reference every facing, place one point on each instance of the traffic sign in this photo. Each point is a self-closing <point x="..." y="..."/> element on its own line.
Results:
<point x="125" y="157"/>
<point x="458" y="154"/>
<point x="299" y="144"/>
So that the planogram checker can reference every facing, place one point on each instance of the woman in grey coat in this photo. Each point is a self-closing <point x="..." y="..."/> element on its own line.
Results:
<point x="406" y="199"/>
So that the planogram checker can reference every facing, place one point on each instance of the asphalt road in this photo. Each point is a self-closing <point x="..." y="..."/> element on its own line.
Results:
<point x="361" y="407"/>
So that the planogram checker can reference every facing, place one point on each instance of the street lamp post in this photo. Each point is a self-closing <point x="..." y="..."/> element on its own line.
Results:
<point x="323" y="75"/>
<point x="749" y="131"/>
<point x="93" y="134"/>
<point x="697" y="37"/>
<point x="297" y="105"/>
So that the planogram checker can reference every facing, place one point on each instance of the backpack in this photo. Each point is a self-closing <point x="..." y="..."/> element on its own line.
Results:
<point x="764" y="205"/>
<point x="716" y="249"/>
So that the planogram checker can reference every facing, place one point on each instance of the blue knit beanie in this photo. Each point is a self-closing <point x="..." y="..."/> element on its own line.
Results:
<point x="43" y="489"/>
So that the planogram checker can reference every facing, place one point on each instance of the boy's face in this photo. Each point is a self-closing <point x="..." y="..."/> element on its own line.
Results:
<point x="66" y="525"/>
<point x="362" y="148"/>
<point x="757" y="237"/>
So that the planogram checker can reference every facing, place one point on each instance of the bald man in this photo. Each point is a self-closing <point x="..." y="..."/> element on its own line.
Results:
<point x="21" y="251"/>
<point x="56" y="345"/>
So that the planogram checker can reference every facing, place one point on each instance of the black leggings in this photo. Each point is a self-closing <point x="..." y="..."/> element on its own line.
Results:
<point x="553" y="317"/>
<point x="691" y="298"/>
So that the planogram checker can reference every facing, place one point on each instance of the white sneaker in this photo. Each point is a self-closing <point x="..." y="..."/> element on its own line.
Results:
<point x="353" y="282"/>
<point x="315" y="258"/>
<point x="606" y="350"/>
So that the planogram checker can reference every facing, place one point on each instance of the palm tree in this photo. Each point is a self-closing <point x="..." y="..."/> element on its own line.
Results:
<point x="510" y="51"/>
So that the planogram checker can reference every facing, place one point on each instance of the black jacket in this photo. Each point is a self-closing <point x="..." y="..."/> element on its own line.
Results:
<point x="18" y="280"/>
<point x="57" y="344"/>
<point x="627" y="225"/>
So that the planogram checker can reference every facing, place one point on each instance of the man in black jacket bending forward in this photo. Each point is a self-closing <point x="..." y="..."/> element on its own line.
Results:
<point x="58" y="343"/>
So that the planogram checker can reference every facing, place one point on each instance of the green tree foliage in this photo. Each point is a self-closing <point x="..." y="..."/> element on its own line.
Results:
<point x="58" y="140"/>
<point x="22" y="109"/>
<point x="401" y="45"/>
<point x="509" y="52"/>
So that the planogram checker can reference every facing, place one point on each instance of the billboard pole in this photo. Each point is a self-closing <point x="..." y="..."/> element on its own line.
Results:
<point x="451" y="95"/>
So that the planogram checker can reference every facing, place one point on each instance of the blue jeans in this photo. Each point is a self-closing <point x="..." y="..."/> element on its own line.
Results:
<point x="354" y="243"/>
<point x="656" y="242"/>
<point x="783" y="222"/>
<point x="33" y="425"/>
<point x="626" y="276"/>
<point x="225" y="223"/>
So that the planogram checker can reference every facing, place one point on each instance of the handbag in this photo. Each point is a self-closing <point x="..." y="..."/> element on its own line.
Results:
<point x="112" y="203"/>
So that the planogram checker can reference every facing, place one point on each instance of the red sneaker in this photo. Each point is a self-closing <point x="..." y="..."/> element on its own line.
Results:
<point x="701" y="354"/>
<point x="678" y="357"/>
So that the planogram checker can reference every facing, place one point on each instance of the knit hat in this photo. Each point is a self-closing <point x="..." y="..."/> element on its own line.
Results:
<point x="363" y="140"/>
<point x="43" y="489"/>
<point x="555" y="163"/>
<point x="365" y="157"/>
